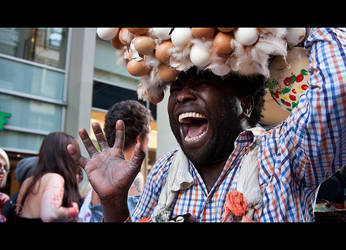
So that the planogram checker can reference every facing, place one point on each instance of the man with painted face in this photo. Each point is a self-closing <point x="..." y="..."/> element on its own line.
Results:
<point x="226" y="168"/>
<point x="201" y="106"/>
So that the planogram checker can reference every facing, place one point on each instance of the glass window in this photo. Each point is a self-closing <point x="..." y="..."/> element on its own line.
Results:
<point x="42" y="45"/>
<point x="21" y="141"/>
<point x="28" y="79"/>
<point x="106" y="59"/>
<point x="31" y="114"/>
<point x="105" y="95"/>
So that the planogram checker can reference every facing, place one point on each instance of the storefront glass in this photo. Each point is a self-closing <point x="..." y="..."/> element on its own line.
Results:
<point x="30" y="114"/>
<point x="27" y="142"/>
<point x="31" y="80"/>
<point x="41" y="45"/>
<point x="32" y="85"/>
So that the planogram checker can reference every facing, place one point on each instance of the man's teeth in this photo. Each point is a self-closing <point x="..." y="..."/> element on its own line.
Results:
<point x="188" y="139"/>
<point x="190" y="114"/>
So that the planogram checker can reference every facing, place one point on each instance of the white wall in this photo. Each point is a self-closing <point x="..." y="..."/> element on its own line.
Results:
<point x="165" y="138"/>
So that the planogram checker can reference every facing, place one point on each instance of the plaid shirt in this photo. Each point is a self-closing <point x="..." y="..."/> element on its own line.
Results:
<point x="294" y="157"/>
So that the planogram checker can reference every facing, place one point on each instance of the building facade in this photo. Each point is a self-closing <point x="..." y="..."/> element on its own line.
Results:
<point x="62" y="79"/>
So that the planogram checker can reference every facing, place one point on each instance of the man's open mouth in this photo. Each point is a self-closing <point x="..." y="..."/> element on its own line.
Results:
<point x="193" y="126"/>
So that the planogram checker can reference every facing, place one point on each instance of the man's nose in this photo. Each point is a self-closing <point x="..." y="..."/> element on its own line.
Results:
<point x="185" y="95"/>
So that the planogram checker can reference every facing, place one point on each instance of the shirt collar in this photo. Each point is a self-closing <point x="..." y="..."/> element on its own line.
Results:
<point x="249" y="135"/>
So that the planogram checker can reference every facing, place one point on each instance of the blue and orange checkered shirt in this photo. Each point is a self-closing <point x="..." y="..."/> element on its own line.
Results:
<point x="294" y="157"/>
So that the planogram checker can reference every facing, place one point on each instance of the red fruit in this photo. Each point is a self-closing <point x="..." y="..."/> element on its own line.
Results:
<point x="277" y="94"/>
<point x="299" y="78"/>
<point x="304" y="86"/>
<point x="287" y="81"/>
<point x="292" y="97"/>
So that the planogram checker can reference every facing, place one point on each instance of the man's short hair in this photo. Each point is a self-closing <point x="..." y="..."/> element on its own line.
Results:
<point x="136" y="118"/>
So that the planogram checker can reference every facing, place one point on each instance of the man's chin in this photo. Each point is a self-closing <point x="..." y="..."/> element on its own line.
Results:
<point x="197" y="157"/>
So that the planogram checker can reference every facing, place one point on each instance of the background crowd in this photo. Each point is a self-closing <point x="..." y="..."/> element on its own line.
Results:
<point x="50" y="183"/>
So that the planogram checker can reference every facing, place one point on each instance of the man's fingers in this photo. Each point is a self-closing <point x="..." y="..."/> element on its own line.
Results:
<point x="119" y="138"/>
<point x="99" y="136"/>
<point x="73" y="152"/>
<point x="138" y="156"/>
<point x="89" y="145"/>
<point x="79" y="160"/>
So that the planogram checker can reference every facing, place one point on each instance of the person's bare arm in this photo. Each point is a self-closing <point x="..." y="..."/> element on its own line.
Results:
<point x="137" y="185"/>
<point x="51" y="202"/>
<point x="109" y="173"/>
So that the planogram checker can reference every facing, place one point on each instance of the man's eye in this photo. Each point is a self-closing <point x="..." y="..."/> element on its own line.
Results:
<point x="174" y="88"/>
<point x="201" y="84"/>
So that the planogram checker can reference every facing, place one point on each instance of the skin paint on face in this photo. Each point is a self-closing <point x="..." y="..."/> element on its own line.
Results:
<point x="3" y="172"/>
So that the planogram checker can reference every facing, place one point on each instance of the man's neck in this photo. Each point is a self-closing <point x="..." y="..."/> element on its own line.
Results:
<point x="210" y="173"/>
<point x="128" y="152"/>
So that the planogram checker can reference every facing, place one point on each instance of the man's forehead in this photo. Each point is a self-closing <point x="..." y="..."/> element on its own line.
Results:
<point x="195" y="75"/>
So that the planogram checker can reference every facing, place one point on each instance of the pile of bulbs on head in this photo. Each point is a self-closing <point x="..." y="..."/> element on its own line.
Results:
<point x="157" y="55"/>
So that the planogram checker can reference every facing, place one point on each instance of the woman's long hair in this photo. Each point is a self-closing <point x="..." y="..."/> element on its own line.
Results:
<point x="54" y="158"/>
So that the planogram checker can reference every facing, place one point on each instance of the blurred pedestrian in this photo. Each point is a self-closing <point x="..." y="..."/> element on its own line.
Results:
<point x="137" y="119"/>
<point x="4" y="169"/>
<point x="51" y="193"/>
<point x="24" y="169"/>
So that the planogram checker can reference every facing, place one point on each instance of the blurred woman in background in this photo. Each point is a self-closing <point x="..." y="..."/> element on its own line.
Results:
<point x="4" y="169"/>
<point x="51" y="194"/>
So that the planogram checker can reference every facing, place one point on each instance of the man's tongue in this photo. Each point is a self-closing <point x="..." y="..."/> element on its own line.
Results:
<point x="196" y="130"/>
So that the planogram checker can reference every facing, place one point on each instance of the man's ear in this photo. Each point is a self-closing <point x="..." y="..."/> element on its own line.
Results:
<point x="138" y="138"/>
<point x="247" y="104"/>
<point x="144" y="142"/>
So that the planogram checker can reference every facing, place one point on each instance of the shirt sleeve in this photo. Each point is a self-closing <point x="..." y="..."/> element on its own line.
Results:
<point x="96" y="213"/>
<point x="317" y="125"/>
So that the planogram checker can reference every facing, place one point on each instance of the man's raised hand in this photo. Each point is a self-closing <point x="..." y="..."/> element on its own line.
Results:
<point x="108" y="172"/>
